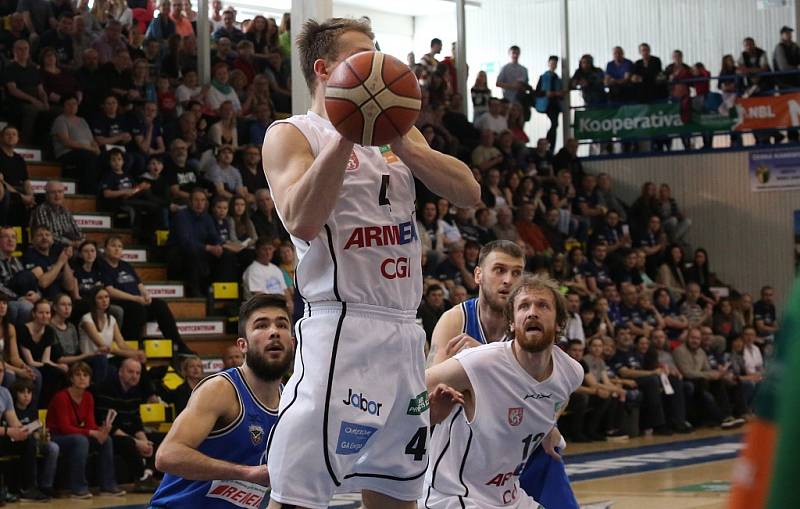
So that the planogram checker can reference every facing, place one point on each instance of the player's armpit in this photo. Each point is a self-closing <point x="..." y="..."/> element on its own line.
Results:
<point x="449" y="325"/>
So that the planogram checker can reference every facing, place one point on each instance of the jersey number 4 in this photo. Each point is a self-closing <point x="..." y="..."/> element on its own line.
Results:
<point x="382" y="199"/>
<point x="416" y="447"/>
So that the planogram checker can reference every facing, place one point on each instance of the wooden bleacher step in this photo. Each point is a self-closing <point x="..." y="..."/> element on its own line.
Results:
<point x="212" y="326"/>
<point x="49" y="170"/>
<point x="210" y="346"/>
<point x="100" y="236"/>
<point x="188" y="309"/>
<point x="150" y="271"/>
<point x="81" y="203"/>
<point x="165" y="289"/>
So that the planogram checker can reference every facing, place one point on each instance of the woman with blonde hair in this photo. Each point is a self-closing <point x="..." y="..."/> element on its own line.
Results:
<point x="480" y="96"/>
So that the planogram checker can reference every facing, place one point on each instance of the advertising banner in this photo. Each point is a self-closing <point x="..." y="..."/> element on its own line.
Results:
<point x="644" y="121"/>
<point x="775" y="169"/>
<point x="769" y="112"/>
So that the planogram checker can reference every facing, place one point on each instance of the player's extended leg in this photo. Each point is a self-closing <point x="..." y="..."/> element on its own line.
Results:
<point x="373" y="500"/>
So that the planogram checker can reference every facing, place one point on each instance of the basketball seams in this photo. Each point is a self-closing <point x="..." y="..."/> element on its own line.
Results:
<point x="374" y="99"/>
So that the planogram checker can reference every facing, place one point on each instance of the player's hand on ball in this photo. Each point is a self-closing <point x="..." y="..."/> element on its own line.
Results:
<point x="442" y="399"/>
<point x="257" y="474"/>
<point x="551" y="441"/>
<point x="460" y="342"/>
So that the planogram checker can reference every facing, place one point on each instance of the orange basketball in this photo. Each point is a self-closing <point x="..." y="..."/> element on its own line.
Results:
<point x="372" y="98"/>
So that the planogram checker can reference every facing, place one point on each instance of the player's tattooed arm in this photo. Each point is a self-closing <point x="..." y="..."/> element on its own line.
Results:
<point x="447" y="328"/>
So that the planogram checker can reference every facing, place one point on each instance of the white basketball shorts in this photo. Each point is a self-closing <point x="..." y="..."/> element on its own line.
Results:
<point x="354" y="415"/>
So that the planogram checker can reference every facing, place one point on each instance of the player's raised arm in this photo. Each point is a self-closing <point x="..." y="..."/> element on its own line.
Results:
<point x="443" y="174"/>
<point x="178" y="454"/>
<point x="305" y="188"/>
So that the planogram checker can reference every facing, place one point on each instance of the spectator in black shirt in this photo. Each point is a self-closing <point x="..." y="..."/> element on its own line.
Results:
<point x="120" y="192"/>
<point x="589" y="79"/>
<point x="192" y="372"/>
<point x="654" y="243"/>
<point x="117" y="77"/>
<point x="265" y="219"/>
<point x="24" y="87"/>
<point x="627" y="272"/>
<point x="15" y="31"/>
<point x="60" y="39"/>
<point x="567" y="158"/>
<point x="92" y="83"/>
<point x="15" y="185"/>
<point x="195" y="251"/>
<point x="643" y="208"/>
<point x="109" y="126"/>
<point x="124" y="392"/>
<point x="766" y="320"/>
<point x="38" y="15"/>
<point x="48" y="263"/>
<point x="36" y="340"/>
<point x="595" y="271"/>
<point x="252" y="173"/>
<point x="628" y="363"/>
<point x="613" y="233"/>
<point x="228" y="28"/>
<point x="431" y="309"/>
<point x="180" y="177"/>
<point x="88" y="278"/>
<point x="542" y="160"/>
<point x="554" y="236"/>
<point x="128" y="292"/>
<point x="648" y="74"/>
<point x="19" y="287"/>
<point x="453" y="270"/>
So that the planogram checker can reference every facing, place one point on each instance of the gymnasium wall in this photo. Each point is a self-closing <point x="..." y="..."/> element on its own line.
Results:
<point x="748" y="235"/>
<point x="703" y="29"/>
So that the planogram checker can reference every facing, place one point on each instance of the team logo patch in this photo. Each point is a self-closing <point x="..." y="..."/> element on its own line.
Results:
<point x="256" y="434"/>
<point x="352" y="163"/>
<point x="419" y="404"/>
<point x="515" y="416"/>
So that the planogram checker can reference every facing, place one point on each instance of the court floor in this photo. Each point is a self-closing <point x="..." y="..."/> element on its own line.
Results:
<point x="686" y="472"/>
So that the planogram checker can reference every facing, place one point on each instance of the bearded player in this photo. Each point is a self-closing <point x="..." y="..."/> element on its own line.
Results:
<point x="513" y="392"/>
<point x="213" y="455"/>
<point x="354" y="416"/>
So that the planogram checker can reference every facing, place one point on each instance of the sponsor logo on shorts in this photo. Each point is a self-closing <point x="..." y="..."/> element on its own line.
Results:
<point x="353" y="437"/>
<point x="515" y="416"/>
<point x="358" y="400"/>
<point x="418" y="404"/>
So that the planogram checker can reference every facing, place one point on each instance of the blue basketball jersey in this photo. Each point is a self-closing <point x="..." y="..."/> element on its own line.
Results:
<point x="472" y="323"/>
<point x="243" y="441"/>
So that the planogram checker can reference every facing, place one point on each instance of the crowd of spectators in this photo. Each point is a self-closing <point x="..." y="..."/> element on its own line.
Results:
<point x="117" y="102"/>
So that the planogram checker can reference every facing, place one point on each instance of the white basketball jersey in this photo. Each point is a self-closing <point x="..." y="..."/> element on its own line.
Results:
<point x="478" y="463"/>
<point x="369" y="251"/>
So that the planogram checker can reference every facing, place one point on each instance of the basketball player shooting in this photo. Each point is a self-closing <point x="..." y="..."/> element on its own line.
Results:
<point x="354" y="415"/>
<point x="513" y="392"/>
<point x="213" y="456"/>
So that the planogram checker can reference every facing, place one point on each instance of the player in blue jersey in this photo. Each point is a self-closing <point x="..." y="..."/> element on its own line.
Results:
<point x="214" y="455"/>
<point x="480" y="320"/>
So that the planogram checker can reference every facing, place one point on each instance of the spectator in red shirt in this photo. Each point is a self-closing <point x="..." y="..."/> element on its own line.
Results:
<point x="529" y="232"/>
<point x="70" y="418"/>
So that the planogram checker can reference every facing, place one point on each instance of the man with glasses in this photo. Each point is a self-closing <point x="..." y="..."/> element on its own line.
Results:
<point x="55" y="216"/>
